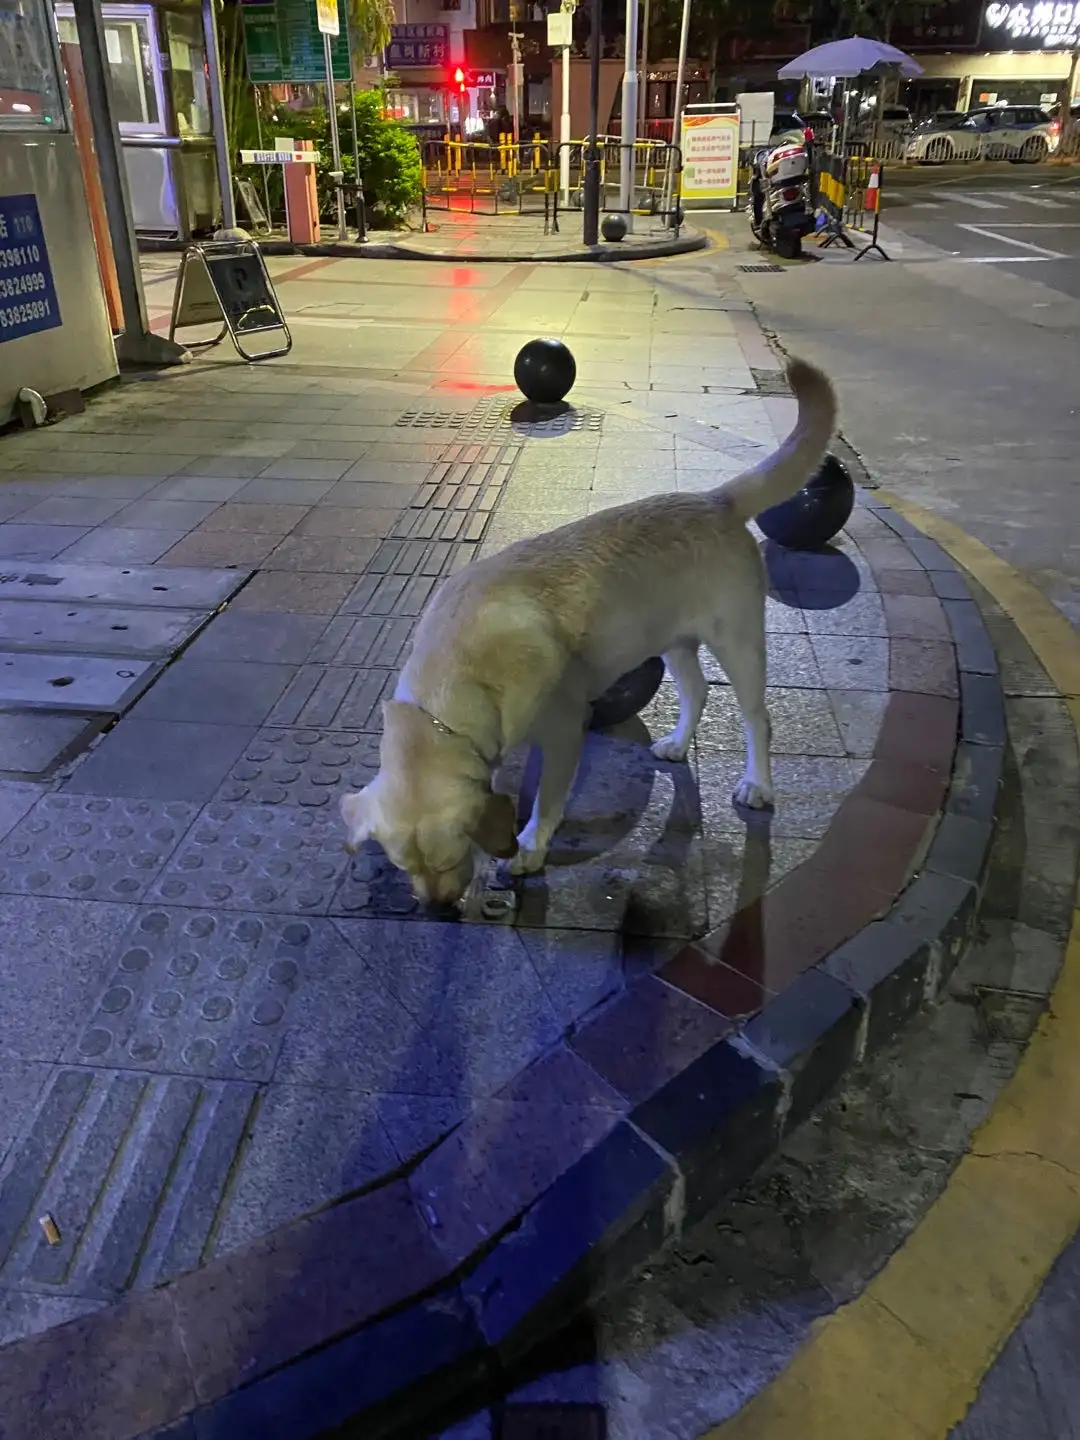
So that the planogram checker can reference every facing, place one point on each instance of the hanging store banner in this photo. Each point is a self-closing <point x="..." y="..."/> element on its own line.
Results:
<point x="710" y="157"/>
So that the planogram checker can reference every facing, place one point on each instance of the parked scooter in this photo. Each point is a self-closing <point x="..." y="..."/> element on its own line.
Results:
<point x="781" y="203"/>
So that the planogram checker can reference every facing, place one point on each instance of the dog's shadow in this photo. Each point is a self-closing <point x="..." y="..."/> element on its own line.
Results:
<point x="625" y="839"/>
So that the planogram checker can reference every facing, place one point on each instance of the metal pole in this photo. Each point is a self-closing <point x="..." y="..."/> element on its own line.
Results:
<point x="361" y="225"/>
<point x="335" y="139"/>
<point x="676" y="124"/>
<point x="591" y="180"/>
<point x="643" y="89"/>
<point x="515" y="83"/>
<point x="138" y="344"/>
<point x="629" y="116"/>
<point x="265" y="168"/>
<point x="217" y="112"/>
<point x="564" y="130"/>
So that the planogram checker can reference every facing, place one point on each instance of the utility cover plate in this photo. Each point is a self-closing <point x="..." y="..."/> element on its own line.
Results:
<point x="33" y="743"/>
<point x="172" y="587"/>
<point x="99" y="629"/>
<point x="72" y="682"/>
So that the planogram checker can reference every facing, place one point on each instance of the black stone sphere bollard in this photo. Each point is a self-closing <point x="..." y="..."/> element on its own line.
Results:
<point x="820" y="510"/>
<point x="613" y="227"/>
<point x="545" y="371"/>
<point x="629" y="695"/>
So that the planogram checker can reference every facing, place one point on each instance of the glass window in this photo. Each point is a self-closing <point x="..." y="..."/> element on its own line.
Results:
<point x="127" y="47"/>
<point x="187" y="53"/>
<point x="30" y="94"/>
<point x="131" y="53"/>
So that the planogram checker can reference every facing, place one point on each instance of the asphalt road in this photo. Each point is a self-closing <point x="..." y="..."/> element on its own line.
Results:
<point x="1026" y="224"/>
<point x="956" y="365"/>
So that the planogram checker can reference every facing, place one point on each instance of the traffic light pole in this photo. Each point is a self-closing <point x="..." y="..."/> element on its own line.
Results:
<point x="591" y="184"/>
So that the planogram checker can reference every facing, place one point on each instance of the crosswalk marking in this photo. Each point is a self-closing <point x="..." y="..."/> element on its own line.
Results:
<point x="1023" y="197"/>
<point x="960" y="197"/>
<point x="1012" y="240"/>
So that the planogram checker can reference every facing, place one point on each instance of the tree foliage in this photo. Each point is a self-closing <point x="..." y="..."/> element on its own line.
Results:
<point x="713" y="23"/>
<point x="370" y="21"/>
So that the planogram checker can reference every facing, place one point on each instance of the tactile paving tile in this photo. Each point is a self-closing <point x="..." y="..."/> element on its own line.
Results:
<point x="374" y="887"/>
<point x="197" y="993"/>
<point x="310" y="768"/>
<point x="375" y="643"/>
<point x="267" y="858"/>
<point x="495" y="417"/>
<point x="92" y="848"/>
<point x="431" y="419"/>
<point x="390" y="595"/>
<point x="132" y="1165"/>
<point x="334" y="698"/>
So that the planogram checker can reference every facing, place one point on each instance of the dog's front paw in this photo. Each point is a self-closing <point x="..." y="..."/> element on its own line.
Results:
<point x="753" y="795"/>
<point x="529" y="859"/>
<point x="669" y="747"/>
<point x="532" y="851"/>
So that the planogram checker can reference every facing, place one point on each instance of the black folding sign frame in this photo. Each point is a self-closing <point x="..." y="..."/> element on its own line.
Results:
<point x="227" y="282"/>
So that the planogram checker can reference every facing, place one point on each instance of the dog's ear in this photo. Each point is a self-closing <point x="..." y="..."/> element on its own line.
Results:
<point x="496" y="829"/>
<point x="355" y="811"/>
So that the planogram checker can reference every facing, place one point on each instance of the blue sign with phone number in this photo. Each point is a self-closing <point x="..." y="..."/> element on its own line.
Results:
<point x="28" y="300"/>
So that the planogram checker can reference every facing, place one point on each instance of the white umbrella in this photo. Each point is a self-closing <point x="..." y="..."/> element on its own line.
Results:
<point x="844" y="59"/>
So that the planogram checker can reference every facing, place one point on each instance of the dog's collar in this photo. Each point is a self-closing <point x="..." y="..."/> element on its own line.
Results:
<point x="445" y="729"/>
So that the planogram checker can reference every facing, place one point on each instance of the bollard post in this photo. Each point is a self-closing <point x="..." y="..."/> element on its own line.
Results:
<point x="873" y="206"/>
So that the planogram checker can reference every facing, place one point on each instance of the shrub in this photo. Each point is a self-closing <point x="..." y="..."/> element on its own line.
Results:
<point x="389" y="158"/>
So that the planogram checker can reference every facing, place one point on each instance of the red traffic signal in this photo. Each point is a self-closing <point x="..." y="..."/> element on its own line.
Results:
<point x="460" y="79"/>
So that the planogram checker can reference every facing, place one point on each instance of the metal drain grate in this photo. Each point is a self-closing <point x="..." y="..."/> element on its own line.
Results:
<point x="771" y="382"/>
<point x="761" y="269"/>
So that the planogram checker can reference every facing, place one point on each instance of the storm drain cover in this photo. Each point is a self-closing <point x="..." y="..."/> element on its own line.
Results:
<point x="34" y="743"/>
<point x="147" y="632"/>
<point x="173" y="586"/>
<point x="72" y="682"/>
<point x="762" y="269"/>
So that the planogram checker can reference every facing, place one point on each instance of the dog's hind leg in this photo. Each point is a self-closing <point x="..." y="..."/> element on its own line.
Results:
<point x="559" y="732"/>
<point x="742" y="654"/>
<point x="685" y="669"/>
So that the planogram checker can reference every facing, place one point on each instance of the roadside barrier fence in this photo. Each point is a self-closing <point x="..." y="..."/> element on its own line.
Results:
<point x="503" y="178"/>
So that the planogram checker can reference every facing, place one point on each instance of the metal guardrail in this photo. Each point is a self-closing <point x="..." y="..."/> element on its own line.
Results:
<point x="657" y="187"/>
<point x="503" y="178"/>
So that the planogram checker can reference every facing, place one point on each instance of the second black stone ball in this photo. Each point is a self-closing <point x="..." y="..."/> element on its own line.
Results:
<point x="816" y="513"/>
<point x="613" y="227"/>
<point x="545" y="371"/>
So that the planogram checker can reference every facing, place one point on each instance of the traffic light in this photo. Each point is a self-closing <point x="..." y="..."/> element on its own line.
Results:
<point x="461" y="80"/>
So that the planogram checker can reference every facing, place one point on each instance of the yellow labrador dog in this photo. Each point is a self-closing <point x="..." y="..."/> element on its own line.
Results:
<point x="516" y="646"/>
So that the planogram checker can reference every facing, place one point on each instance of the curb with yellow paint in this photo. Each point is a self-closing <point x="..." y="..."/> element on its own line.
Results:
<point x="905" y="1359"/>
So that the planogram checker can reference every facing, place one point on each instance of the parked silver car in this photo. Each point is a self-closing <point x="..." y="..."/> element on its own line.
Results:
<point x="1004" y="132"/>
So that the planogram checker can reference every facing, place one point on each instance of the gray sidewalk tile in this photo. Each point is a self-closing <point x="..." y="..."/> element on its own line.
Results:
<point x="222" y="692"/>
<point x="113" y="545"/>
<point x="65" y="946"/>
<point x="266" y="637"/>
<point x="161" y="760"/>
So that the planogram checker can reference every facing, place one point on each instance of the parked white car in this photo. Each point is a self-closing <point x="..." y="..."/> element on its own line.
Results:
<point x="1005" y="132"/>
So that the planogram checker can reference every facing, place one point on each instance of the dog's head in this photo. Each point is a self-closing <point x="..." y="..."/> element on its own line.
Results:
<point x="428" y="808"/>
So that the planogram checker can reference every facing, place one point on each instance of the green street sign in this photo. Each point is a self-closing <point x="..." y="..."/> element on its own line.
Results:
<point x="285" y="47"/>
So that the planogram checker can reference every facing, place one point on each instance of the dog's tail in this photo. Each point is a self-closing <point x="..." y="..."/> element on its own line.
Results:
<point x="789" y="467"/>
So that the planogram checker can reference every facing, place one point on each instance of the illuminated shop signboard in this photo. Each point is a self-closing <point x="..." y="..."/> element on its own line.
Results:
<point x="1044" y="25"/>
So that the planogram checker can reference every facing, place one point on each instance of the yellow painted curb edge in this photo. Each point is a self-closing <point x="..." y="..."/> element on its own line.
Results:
<point x="905" y="1360"/>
